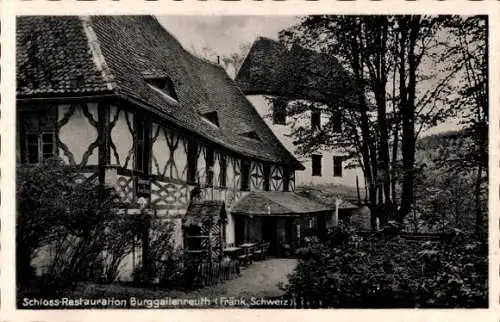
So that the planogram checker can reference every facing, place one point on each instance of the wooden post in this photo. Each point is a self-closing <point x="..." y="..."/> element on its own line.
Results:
<point x="146" y="264"/>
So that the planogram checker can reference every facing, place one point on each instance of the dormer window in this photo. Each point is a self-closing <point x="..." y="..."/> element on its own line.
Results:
<point x="251" y="135"/>
<point x="211" y="117"/>
<point x="164" y="85"/>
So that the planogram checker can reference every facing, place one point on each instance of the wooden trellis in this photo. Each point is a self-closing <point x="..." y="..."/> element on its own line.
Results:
<point x="203" y="229"/>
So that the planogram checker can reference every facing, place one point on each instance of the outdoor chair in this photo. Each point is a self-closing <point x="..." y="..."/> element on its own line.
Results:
<point x="250" y="255"/>
<point x="261" y="250"/>
<point x="265" y="249"/>
<point x="257" y="253"/>
<point x="243" y="258"/>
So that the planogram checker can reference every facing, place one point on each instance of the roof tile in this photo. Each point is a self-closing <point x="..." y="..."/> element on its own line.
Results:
<point x="56" y="56"/>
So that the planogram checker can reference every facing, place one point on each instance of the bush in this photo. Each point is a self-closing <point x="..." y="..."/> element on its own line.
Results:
<point x="163" y="255"/>
<point x="381" y="270"/>
<point x="75" y="222"/>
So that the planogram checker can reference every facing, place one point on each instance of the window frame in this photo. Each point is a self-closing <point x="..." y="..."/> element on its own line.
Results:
<point x="337" y="167"/>
<point x="316" y="161"/>
<point x="40" y="133"/>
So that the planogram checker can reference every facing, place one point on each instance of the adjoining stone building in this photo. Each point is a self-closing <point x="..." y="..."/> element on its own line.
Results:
<point x="290" y="74"/>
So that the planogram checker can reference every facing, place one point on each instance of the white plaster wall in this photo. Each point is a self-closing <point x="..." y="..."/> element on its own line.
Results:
<point x="257" y="170"/>
<point x="201" y="167"/>
<point x="180" y="156"/>
<point x="276" y="179"/>
<point x="122" y="138"/>
<point x="216" y="169"/>
<point x="78" y="134"/>
<point x="305" y="177"/>
<point x="160" y="152"/>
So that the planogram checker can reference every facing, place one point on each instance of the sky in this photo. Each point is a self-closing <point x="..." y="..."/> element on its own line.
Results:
<point x="225" y="34"/>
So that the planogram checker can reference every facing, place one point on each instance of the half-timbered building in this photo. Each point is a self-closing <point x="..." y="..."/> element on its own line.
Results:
<point x="119" y="99"/>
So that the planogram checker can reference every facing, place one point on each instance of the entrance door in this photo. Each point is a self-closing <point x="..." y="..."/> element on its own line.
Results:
<point x="270" y="234"/>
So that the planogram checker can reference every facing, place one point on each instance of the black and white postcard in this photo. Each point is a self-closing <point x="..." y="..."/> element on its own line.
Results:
<point x="178" y="161"/>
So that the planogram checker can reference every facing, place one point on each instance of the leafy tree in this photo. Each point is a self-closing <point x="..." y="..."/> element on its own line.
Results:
<point x="411" y="52"/>
<point x="471" y="51"/>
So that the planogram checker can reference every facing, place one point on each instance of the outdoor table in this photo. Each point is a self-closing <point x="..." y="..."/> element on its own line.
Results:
<point x="246" y="247"/>
<point x="232" y="252"/>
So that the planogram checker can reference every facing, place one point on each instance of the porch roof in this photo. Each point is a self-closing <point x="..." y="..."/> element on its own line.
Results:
<point x="277" y="203"/>
<point x="200" y="212"/>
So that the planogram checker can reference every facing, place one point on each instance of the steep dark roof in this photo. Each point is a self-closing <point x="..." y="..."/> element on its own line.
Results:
<point x="116" y="54"/>
<point x="53" y="57"/>
<point x="275" y="203"/>
<point x="295" y="73"/>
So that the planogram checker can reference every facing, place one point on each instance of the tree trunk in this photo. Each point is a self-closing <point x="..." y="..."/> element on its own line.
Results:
<point x="408" y="114"/>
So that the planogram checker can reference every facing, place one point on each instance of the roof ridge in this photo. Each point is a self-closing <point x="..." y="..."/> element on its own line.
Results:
<point x="266" y="196"/>
<point x="97" y="55"/>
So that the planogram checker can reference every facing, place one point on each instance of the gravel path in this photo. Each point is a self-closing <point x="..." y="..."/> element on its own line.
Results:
<point x="260" y="279"/>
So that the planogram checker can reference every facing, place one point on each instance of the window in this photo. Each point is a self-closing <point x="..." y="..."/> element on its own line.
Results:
<point x="39" y="135"/>
<point x="163" y="84"/>
<point x="209" y="163"/>
<point x="212" y="118"/>
<point x="192" y="160"/>
<point x="279" y="111"/>
<point x="337" y="121"/>
<point x="223" y="171"/>
<point x="316" y="164"/>
<point x="251" y="135"/>
<point x="142" y="145"/>
<point x="245" y="175"/>
<point x="315" y="120"/>
<point x="267" y="176"/>
<point x="337" y="166"/>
